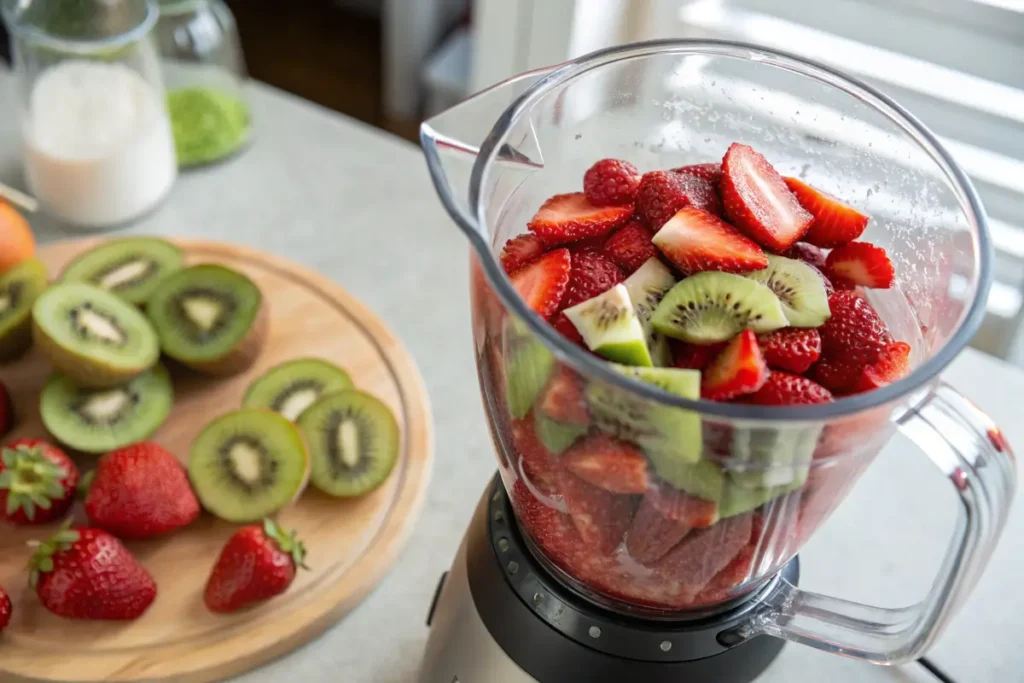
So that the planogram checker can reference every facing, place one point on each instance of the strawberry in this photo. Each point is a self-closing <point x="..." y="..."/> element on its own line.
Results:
<point x="893" y="364"/>
<point x="521" y="251"/>
<point x="679" y="506"/>
<point x="785" y="389"/>
<point x="7" y="416"/>
<point x="695" y="560"/>
<point x="562" y="399"/>
<point x="611" y="182"/>
<point x="37" y="482"/>
<point x="601" y="518"/>
<point x="738" y="369"/>
<point x="808" y="253"/>
<point x="630" y="246"/>
<point x="256" y="564"/>
<point x="542" y="284"/>
<point x="550" y="529"/>
<point x="5" y="610"/>
<point x="757" y="201"/>
<point x="723" y="586"/>
<point x="851" y="339"/>
<point x="592" y="273"/>
<point x="85" y="573"/>
<point x="693" y="356"/>
<point x="571" y="217"/>
<point x="792" y="348"/>
<point x="568" y="330"/>
<point x="652" y="534"/>
<point x="535" y="461"/>
<point x="663" y="193"/>
<point x="696" y="240"/>
<point x="709" y="172"/>
<point x="861" y="263"/>
<point x="835" y="223"/>
<point x="140" y="491"/>
<point x="837" y="376"/>
<point x="608" y="464"/>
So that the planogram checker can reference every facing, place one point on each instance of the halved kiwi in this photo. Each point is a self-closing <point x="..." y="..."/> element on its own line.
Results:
<point x="100" y="420"/>
<point x="211" y="318"/>
<point x="19" y="288"/>
<point x="713" y="307"/>
<point x="248" y="464"/>
<point x="130" y="268"/>
<point x="799" y="287"/>
<point x="647" y="287"/>
<point x="92" y="336"/>
<point x="291" y="387"/>
<point x="611" y="328"/>
<point x="353" y="442"/>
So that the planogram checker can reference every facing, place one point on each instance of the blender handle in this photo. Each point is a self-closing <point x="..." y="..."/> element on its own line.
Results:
<point x="971" y="451"/>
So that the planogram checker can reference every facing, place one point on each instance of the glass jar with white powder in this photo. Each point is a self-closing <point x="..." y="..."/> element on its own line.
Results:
<point x="98" y="147"/>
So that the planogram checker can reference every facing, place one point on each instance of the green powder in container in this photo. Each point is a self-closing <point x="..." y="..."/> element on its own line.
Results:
<point x="208" y="124"/>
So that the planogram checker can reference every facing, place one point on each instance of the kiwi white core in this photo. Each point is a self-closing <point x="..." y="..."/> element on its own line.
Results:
<point x="203" y="311"/>
<point x="298" y="401"/>
<point x="103" y="405"/>
<point x="123" y="274"/>
<point x="96" y="325"/>
<point x="245" y="461"/>
<point x="5" y="302"/>
<point x="348" y="442"/>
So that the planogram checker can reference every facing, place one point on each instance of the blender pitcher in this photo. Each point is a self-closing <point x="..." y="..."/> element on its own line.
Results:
<point x="732" y="491"/>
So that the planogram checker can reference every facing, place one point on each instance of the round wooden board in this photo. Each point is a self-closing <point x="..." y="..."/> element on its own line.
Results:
<point x="352" y="544"/>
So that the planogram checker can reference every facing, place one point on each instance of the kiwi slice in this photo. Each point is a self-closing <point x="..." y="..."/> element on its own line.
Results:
<point x="704" y="479"/>
<point x="19" y="288"/>
<point x="554" y="435"/>
<point x="130" y="268"/>
<point x="293" y="386"/>
<point x="713" y="307"/>
<point x="770" y="457"/>
<point x="211" y="318"/>
<point x="100" y="420"/>
<point x="92" y="336"/>
<point x="611" y="328"/>
<point x="528" y="364"/>
<point x="248" y="464"/>
<point x="353" y="442"/>
<point x="647" y="287"/>
<point x="736" y="500"/>
<point x="799" y="287"/>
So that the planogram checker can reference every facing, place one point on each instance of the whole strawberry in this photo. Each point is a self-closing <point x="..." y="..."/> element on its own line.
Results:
<point x="611" y="182"/>
<point x="6" y="411"/>
<point x="5" y="610"/>
<point x="257" y="563"/>
<point x="37" y="482"/>
<point x="140" y="491"/>
<point x="85" y="573"/>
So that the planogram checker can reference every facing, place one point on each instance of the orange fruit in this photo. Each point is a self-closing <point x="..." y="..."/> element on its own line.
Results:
<point x="16" y="241"/>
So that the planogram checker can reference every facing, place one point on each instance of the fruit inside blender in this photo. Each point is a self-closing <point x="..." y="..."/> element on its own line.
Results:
<point x="722" y="281"/>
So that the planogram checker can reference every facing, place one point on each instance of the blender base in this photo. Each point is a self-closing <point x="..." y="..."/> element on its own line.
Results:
<point x="500" y="617"/>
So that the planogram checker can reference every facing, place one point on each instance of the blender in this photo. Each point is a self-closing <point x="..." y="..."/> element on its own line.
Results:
<point x="554" y="582"/>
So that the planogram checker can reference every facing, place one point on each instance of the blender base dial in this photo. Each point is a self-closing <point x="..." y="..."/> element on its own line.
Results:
<point x="501" y="617"/>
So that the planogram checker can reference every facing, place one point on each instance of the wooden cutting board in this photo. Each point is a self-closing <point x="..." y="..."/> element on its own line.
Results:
<point x="352" y="544"/>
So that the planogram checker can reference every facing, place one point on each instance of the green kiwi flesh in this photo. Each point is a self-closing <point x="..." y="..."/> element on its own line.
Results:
<point x="100" y="420"/>
<point x="554" y="435"/>
<point x="799" y="287"/>
<point x="248" y="464"/>
<point x="712" y="307"/>
<point x="293" y="386"/>
<point x="646" y="288"/>
<point x="92" y="336"/>
<point x="131" y="267"/>
<point x="611" y="328"/>
<point x="353" y="442"/>
<point x="19" y="288"/>
<point x="528" y="364"/>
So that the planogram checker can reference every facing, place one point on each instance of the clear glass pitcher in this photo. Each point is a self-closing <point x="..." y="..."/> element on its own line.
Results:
<point x="734" y="490"/>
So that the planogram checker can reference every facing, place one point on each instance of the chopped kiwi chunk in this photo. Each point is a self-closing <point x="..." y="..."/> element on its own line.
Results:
<point x="130" y="268"/>
<point x="19" y="288"/>
<point x="291" y="387"/>
<point x="647" y="287"/>
<point x="611" y="328"/>
<point x="556" y="436"/>
<point x="771" y="457"/>
<point x="799" y="287"/>
<point x="528" y="365"/>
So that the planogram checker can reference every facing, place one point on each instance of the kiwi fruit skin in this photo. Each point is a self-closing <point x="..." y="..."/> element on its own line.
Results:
<point x="322" y="424"/>
<point x="96" y="367"/>
<point x="799" y="288"/>
<point x="155" y="395"/>
<point x="247" y="420"/>
<point x="610" y="327"/>
<point x="19" y="288"/>
<point x="153" y="258"/>
<point x="271" y="390"/>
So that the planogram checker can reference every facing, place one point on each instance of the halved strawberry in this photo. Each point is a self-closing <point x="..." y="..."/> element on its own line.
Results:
<point x="784" y="389"/>
<point x="739" y="369"/>
<point x="861" y="263"/>
<point x="757" y="201"/>
<point x="792" y="348"/>
<point x="695" y="560"/>
<point x="696" y="240"/>
<point x="679" y="506"/>
<point x="543" y="283"/>
<point x="854" y="333"/>
<point x="520" y="251"/>
<point x="835" y="222"/>
<point x="568" y="330"/>
<point x="608" y="463"/>
<point x="600" y="517"/>
<point x="592" y="273"/>
<point x="709" y="172"/>
<point x="664" y="517"/>
<point x="663" y="193"/>
<point x="893" y="364"/>
<point x="693" y="356"/>
<point x="562" y="399"/>
<point x="630" y="246"/>
<point x="808" y="253"/>
<point x="571" y="217"/>
<point x="611" y="182"/>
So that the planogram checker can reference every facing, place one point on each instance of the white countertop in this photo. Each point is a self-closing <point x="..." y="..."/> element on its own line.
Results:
<point x="357" y="205"/>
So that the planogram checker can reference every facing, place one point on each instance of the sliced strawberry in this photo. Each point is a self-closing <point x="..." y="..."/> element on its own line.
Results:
<point x="693" y="356"/>
<point x="696" y="240"/>
<point x="571" y="217"/>
<point x="608" y="463"/>
<point x="652" y="534"/>
<point x="784" y="389"/>
<point x="568" y="330"/>
<point x="757" y="201"/>
<point x="854" y="333"/>
<point x="695" y="560"/>
<point x="521" y="251"/>
<point x="593" y="273"/>
<point x="543" y="283"/>
<point x="678" y="506"/>
<point x="562" y="399"/>
<point x="611" y="182"/>
<point x="600" y="517"/>
<point x="893" y="364"/>
<point x="630" y="247"/>
<point x="808" y="253"/>
<point x="837" y="376"/>
<point x="538" y="464"/>
<point x="552" y="530"/>
<point x="709" y="172"/>
<point x="723" y="586"/>
<point x="739" y="369"/>
<point x="663" y="193"/>
<point x="792" y="348"/>
<point x="861" y="263"/>
<point x="835" y="223"/>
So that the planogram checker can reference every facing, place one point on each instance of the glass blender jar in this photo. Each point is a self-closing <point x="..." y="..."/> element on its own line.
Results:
<point x="763" y="479"/>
